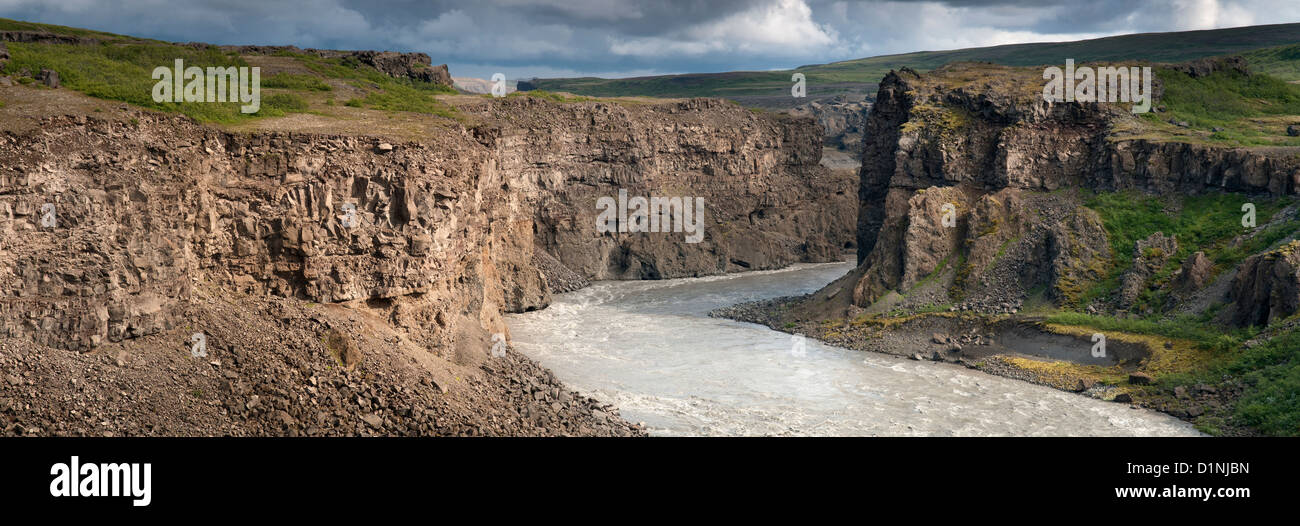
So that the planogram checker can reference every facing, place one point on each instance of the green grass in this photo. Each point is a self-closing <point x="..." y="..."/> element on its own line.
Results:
<point x="1271" y="373"/>
<point x="1230" y="101"/>
<point x="1232" y="255"/>
<point x="383" y="92"/>
<point x="124" y="72"/>
<point x="1205" y="222"/>
<point x="1185" y="328"/>
<point x="1282" y="61"/>
<point x="294" y="81"/>
<point x="121" y="68"/>
<point x="285" y="103"/>
<point x="398" y="97"/>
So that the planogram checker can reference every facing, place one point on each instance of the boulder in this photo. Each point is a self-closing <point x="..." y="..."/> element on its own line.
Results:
<point x="1194" y="273"/>
<point x="1203" y="67"/>
<point x="415" y="66"/>
<point x="342" y="348"/>
<point x="48" y="77"/>
<point x="1266" y="287"/>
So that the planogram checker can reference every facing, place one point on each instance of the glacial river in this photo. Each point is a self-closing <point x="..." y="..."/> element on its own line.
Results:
<point x="649" y="348"/>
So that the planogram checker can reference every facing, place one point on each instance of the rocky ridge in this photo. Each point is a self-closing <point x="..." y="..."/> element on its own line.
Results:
<point x="127" y="233"/>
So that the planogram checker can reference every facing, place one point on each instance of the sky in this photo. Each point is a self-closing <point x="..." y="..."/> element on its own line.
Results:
<point x="623" y="38"/>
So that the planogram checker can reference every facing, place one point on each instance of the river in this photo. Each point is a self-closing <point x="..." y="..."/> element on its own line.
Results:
<point x="649" y="348"/>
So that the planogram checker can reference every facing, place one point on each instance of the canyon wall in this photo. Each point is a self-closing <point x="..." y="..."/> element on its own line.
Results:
<point x="767" y="201"/>
<point x="960" y="181"/>
<point x="143" y="211"/>
<point x="109" y="225"/>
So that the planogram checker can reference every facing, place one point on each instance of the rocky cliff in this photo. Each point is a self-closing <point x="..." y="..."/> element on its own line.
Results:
<point x="767" y="201"/>
<point x="843" y="119"/>
<point x="962" y="185"/>
<point x="127" y="233"/>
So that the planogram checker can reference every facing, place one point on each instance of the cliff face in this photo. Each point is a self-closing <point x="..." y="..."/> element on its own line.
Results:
<point x="959" y="183"/>
<point x="144" y="212"/>
<point x="842" y="118"/>
<point x="767" y="202"/>
<point x="437" y="235"/>
<point x="125" y="232"/>
<point x="1267" y="287"/>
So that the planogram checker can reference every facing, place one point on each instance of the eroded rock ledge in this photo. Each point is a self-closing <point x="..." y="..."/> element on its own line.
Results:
<point x="997" y="154"/>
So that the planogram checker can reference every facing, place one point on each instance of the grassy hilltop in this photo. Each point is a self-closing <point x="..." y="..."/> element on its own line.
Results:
<point x="861" y="75"/>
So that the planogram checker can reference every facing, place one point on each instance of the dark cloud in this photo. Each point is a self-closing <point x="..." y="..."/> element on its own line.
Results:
<point x="631" y="37"/>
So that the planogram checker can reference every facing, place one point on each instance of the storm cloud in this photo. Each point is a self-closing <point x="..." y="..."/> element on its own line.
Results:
<point x="614" y="38"/>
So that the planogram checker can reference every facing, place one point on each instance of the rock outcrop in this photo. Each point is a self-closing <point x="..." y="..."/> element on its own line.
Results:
<point x="843" y="119"/>
<point x="959" y="183"/>
<point x="44" y="37"/>
<point x="1266" y="287"/>
<point x="1149" y="255"/>
<point x="1195" y="273"/>
<point x="415" y="66"/>
<point x="1204" y="67"/>
<point x="109" y="225"/>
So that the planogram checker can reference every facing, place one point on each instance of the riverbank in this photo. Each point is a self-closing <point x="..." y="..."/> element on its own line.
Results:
<point x="1025" y="348"/>
<point x="651" y="349"/>
<point x="273" y="366"/>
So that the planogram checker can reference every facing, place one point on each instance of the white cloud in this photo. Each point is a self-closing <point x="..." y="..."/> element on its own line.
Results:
<point x="780" y="28"/>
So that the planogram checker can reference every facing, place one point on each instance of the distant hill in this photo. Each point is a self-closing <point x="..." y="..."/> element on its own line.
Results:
<point x="1282" y="61"/>
<point x="859" y="76"/>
